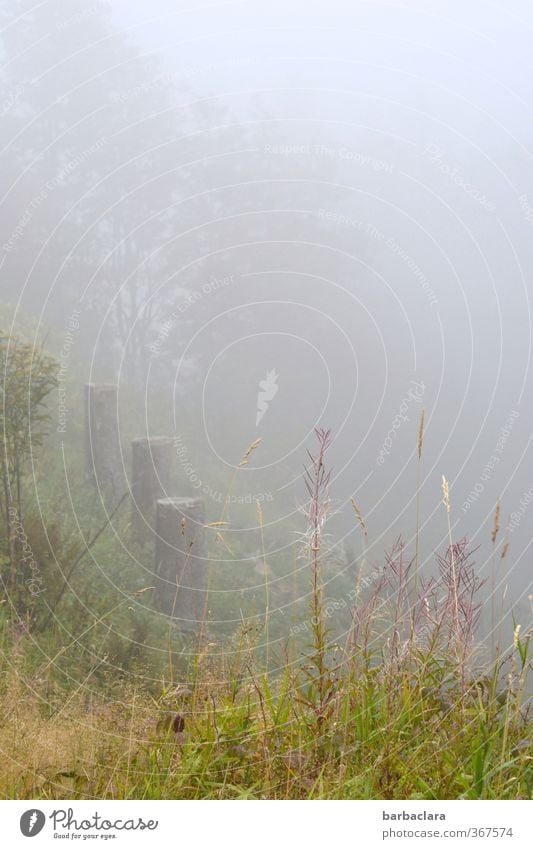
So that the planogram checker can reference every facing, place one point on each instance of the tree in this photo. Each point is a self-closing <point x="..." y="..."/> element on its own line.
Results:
<point x="92" y="139"/>
<point x="27" y="378"/>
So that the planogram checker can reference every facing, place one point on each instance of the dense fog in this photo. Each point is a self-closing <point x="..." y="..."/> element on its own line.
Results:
<point x="260" y="219"/>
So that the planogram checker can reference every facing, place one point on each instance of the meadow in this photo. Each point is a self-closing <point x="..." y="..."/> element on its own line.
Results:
<point x="401" y="707"/>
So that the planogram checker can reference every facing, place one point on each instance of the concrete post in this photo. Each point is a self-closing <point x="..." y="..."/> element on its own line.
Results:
<point x="102" y="440"/>
<point x="153" y="477"/>
<point x="181" y="560"/>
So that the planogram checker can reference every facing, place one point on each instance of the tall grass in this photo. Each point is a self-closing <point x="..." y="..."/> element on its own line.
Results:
<point x="401" y="708"/>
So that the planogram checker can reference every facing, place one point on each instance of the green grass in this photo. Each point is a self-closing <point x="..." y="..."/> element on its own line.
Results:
<point x="408" y="732"/>
<point x="399" y="708"/>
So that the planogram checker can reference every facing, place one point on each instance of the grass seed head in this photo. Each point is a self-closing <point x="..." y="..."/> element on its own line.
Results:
<point x="446" y="493"/>
<point x="496" y="525"/>
<point x="249" y="451"/>
<point x="421" y="434"/>
<point x="359" y="517"/>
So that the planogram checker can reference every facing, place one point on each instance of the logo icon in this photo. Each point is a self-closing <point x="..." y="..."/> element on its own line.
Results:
<point x="268" y="389"/>
<point x="32" y="822"/>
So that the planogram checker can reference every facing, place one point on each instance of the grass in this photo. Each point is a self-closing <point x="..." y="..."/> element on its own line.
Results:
<point x="401" y="708"/>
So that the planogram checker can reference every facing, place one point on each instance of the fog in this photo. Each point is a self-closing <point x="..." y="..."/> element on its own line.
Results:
<point x="260" y="219"/>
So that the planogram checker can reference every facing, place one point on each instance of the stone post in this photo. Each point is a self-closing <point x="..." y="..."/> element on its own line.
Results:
<point x="181" y="560"/>
<point x="103" y="459"/>
<point x="153" y="477"/>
